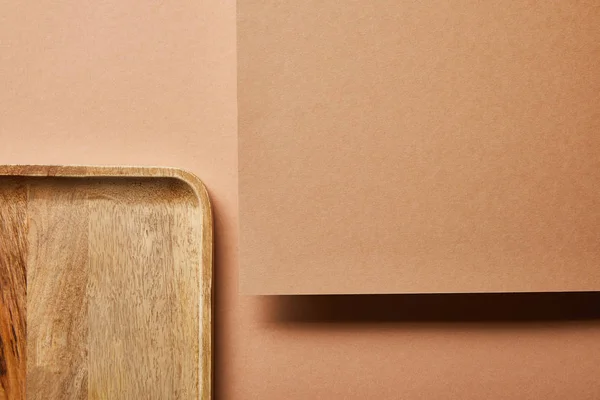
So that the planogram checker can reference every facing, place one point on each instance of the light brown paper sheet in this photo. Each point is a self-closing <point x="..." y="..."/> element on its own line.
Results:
<point x="396" y="147"/>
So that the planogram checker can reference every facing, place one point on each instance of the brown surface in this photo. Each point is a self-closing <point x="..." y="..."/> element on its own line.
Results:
<point x="82" y="112"/>
<point x="119" y="282"/>
<point x="13" y="290"/>
<point x="57" y="279"/>
<point x="401" y="147"/>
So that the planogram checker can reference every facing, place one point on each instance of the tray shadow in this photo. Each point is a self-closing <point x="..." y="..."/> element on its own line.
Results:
<point x="472" y="307"/>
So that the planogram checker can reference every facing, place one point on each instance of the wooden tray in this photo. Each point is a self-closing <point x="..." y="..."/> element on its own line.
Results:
<point x="105" y="283"/>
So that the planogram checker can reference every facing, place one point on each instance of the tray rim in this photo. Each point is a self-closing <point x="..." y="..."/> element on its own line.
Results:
<point x="200" y="191"/>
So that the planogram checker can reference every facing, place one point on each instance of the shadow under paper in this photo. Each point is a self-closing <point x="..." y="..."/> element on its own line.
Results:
<point x="471" y="307"/>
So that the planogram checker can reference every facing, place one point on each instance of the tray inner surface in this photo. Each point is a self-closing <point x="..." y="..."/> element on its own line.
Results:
<point x="100" y="288"/>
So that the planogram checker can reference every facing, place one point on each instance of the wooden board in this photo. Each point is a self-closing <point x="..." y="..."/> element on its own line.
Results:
<point x="105" y="284"/>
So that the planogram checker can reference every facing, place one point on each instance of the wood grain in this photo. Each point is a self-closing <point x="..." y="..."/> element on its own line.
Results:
<point x="146" y="297"/>
<point x="13" y="248"/>
<point x="119" y="281"/>
<point x="56" y="290"/>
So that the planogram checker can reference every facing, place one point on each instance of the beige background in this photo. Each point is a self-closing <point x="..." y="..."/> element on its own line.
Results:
<point x="119" y="82"/>
<point x="419" y="146"/>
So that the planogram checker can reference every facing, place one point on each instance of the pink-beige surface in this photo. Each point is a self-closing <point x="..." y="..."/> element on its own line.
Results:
<point x="155" y="84"/>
